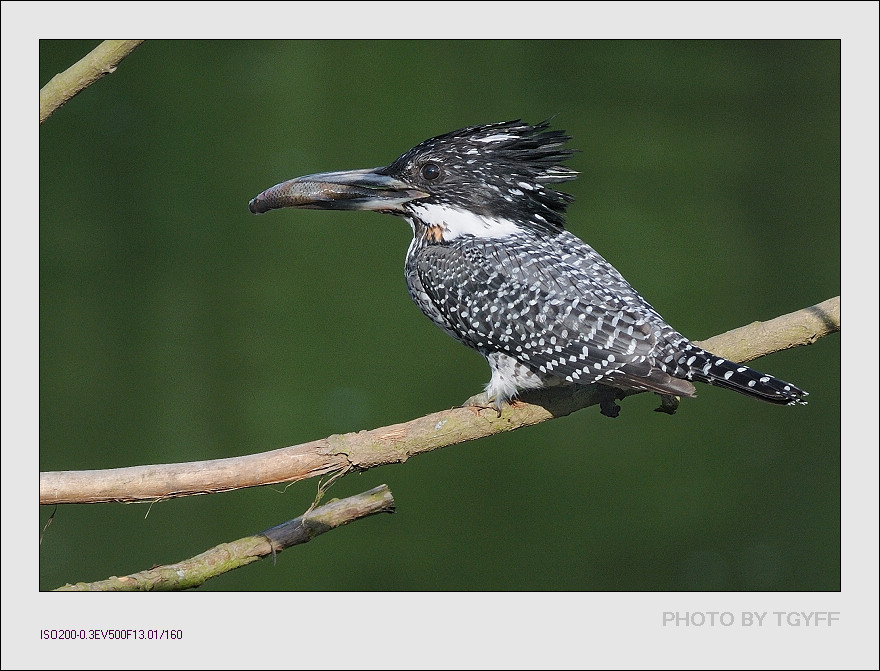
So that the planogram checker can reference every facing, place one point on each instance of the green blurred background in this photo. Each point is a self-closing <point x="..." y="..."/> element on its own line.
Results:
<point x="176" y="326"/>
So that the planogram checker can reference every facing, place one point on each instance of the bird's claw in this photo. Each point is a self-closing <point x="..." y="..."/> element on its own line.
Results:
<point x="481" y="401"/>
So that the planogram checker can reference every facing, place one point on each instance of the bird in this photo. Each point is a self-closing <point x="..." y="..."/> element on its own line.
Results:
<point x="492" y="263"/>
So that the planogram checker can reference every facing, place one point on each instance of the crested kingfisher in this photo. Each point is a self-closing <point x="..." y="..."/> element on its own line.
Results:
<point x="492" y="264"/>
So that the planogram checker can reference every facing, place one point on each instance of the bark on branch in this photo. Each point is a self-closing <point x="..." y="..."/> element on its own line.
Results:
<point x="398" y="442"/>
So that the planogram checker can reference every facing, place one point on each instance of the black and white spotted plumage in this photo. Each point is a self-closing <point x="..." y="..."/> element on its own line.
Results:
<point x="492" y="265"/>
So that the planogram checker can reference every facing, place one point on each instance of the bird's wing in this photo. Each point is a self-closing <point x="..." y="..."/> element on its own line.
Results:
<point x="554" y="319"/>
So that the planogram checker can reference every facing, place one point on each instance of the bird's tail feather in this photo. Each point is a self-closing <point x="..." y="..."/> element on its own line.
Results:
<point x="704" y="366"/>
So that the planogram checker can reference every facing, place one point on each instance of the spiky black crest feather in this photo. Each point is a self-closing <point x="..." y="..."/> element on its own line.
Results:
<point x="497" y="167"/>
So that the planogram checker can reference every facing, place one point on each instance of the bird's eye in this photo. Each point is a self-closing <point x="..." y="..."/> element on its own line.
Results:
<point x="430" y="171"/>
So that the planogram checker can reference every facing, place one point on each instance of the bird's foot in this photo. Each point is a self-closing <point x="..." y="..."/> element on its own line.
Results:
<point x="608" y="401"/>
<point x="481" y="401"/>
<point x="668" y="404"/>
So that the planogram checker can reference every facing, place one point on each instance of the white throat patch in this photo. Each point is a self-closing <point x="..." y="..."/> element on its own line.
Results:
<point x="456" y="222"/>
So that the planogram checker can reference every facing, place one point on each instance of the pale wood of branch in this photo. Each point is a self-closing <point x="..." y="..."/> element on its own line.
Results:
<point x="225" y="557"/>
<point x="100" y="61"/>
<point x="397" y="443"/>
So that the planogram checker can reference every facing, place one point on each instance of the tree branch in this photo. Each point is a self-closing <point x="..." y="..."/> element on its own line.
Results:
<point x="397" y="443"/>
<point x="228" y="556"/>
<point x="100" y="61"/>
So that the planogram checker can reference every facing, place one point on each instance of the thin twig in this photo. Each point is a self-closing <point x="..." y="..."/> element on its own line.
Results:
<point x="228" y="556"/>
<point x="100" y="61"/>
<point x="397" y="443"/>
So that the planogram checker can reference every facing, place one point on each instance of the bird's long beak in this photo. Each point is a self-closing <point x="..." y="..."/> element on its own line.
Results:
<point x="346" y="190"/>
